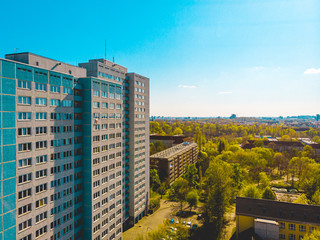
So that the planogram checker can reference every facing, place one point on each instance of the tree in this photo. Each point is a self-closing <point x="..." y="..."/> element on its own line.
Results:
<point x="302" y="199"/>
<point x="191" y="175"/>
<point x="218" y="188"/>
<point x="251" y="191"/>
<point x="192" y="199"/>
<point x="162" y="189"/>
<point x="278" y="159"/>
<point x="308" y="152"/>
<point x="315" y="235"/>
<point x="177" y="131"/>
<point x="154" y="179"/>
<point x="316" y="198"/>
<point x="268" y="194"/>
<point x="263" y="180"/>
<point x="221" y="146"/>
<point x="180" y="189"/>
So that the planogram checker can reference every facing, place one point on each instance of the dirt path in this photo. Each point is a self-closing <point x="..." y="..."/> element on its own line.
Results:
<point x="151" y="222"/>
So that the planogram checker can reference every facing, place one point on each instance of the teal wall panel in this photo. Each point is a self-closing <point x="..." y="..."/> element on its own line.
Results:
<point x="24" y="72"/>
<point x="8" y="86"/>
<point x="9" y="186"/>
<point x="9" y="220"/>
<point x="9" y="203"/>
<point x="9" y="170"/>
<point x="8" y="119"/>
<point x="8" y="69"/>
<point x="9" y="136"/>
<point x="41" y="76"/>
<point x="9" y="101"/>
<point x="9" y="153"/>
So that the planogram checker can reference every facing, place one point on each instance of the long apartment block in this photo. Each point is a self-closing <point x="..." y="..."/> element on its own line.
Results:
<point x="74" y="149"/>
<point x="172" y="162"/>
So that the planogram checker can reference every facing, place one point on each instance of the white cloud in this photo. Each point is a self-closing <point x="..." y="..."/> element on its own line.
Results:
<point x="186" y="86"/>
<point x="312" y="71"/>
<point x="223" y="93"/>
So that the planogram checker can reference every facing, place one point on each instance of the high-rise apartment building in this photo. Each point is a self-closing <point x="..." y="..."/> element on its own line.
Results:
<point x="74" y="148"/>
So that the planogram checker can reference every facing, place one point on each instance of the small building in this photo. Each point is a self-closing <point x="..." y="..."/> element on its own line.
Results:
<point x="268" y="219"/>
<point x="172" y="162"/>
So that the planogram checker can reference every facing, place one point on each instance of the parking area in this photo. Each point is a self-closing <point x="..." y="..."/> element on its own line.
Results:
<point x="150" y="223"/>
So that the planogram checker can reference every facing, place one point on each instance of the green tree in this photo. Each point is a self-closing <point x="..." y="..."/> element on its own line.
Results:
<point x="316" y="198"/>
<point x="192" y="199"/>
<point x="251" y="191"/>
<point x="268" y="194"/>
<point x="263" y="180"/>
<point x="154" y="179"/>
<point x="315" y="235"/>
<point x="177" y="131"/>
<point x="218" y="188"/>
<point x="180" y="190"/>
<point x="302" y="199"/>
<point x="191" y="175"/>
<point x="162" y="189"/>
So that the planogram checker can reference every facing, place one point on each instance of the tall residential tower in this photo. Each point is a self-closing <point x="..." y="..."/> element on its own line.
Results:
<point x="74" y="148"/>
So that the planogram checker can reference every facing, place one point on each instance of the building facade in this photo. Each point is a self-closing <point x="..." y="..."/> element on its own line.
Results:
<point x="66" y="149"/>
<point x="275" y="220"/>
<point x="172" y="162"/>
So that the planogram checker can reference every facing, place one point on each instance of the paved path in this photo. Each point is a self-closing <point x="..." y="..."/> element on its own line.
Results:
<point x="151" y="222"/>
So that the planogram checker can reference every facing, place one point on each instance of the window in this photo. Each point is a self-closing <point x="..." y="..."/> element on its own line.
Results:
<point x="55" y="116"/>
<point x="292" y="226"/>
<point x="67" y="90"/>
<point x="95" y="93"/>
<point x="40" y="87"/>
<point x="118" y="106"/>
<point x="41" y="173"/>
<point x="41" y="130"/>
<point x="55" y="102"/>
<point x="41" y="188"/>
<point x="104" y="105"/>
<point x="302" y="228"/>
<point x="104" y="94"/>
<point x="95" y="104"/>
<point x="25" y="162"/>
<point x="41" y="101"/>
<point x="24" y="84"/>
<point x="311" y="229"/>
<point x="111" y="95"/>
<point x="24" y="115"/>
<point x="282" y="236"/>
<point x="24" y="100"/>
<point x="41" y="217"/>
<point x="292" y="236"/>
<point x="41" y="231"/>
<point x="41" y="116"/>
<point x="25" y="209"/>
<point x="24" y="131"/>
<point x="111" y="105"/>
<point x="25" y="224"/>
<point x="24" y="193"/>
<point x="282" y="225"/>
<point x="66" y="103"/>
<point x="41" y="202"/>
<point x="54" y="89"/>
<point x="118" y="96"/>
<point x="41" y="144"/>
<point x="24" y="147"/>
<point x="25" y="178"/>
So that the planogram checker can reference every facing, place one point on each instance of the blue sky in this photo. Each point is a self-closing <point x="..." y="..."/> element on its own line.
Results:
<point x="204" y="58"/>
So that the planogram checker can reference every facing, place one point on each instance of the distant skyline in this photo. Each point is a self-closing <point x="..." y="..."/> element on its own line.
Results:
<point x="204" y="58"/>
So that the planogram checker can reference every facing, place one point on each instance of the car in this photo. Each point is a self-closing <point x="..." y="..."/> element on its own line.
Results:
<point x="184" y="222"/>
<point x="188" y="224"/>
<point x="199" y="217"/>
<point x="172" y="221"/>
<point x="177" y="222"/>
<point x="194" y="226"/>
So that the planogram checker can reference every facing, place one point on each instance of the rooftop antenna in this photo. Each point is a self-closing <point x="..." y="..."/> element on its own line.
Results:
<point x="105" y="49"/>
<point x="113" y="59"/>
